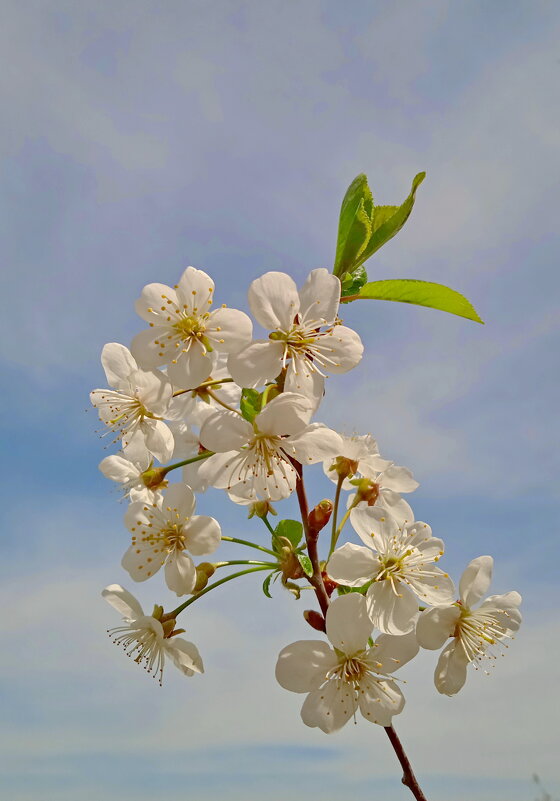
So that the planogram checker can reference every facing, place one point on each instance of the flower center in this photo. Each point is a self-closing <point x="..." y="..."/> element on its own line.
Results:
<point x="187" y="327"/>
<point x="481" y="634"/>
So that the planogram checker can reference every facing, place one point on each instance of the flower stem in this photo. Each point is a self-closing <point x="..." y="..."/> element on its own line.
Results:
<point x="250" y="545"/>
<point x="273" y="565"/>
<point x="316" y="580"/>
<point x="205" y="384"/>
<point x="213" y="586"/>
<point x="408" y="777"/>
<point x="334" y="535"/>
<point x="221" y="402"/>
<point x="266" y="521"/>
<point x="193" y="459"/>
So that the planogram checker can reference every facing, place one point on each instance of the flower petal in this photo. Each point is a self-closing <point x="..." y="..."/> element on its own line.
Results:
<point x="374" y="527"/>
<point x="390" y="612"/>
<point x="314" y="444"/>
<point x="118" y="363"/>
<point x="229" y="330"/>
<point x="123" y="601"/>
<point x="180" y="573"/>
<point x="348" y="623"/>
<point x="274" y="300"/>
<point x="146" y="347"/>
<point x="259" y="362"/>
<point x="398" y="479"/>
<point x="451" y="669"/>
<point x="304" y="381"/>
<point x="192" y="367"/>
<point x="328" y="708"/>
<point x="435" y="626"/>
<point x="159" y="440"/>
<point x="154" y="303"/>
<point x="396" y="506"/>
<point x="319" y="297"/>
<point x="178" y="503"/>
<point x="195" y="292"/>
<point x="352" y="565"/>
<point x="432" y="585"/>
<point x="343" y="347"/>
<point x="303" y="665"/>
<point x="203" y="535"/>
<point x="117" y="468"/>
<point x="184" y="655"/>
<point x="225" y="431"/>
<point x="380" y="700"/>
<point x="476" y="580"/>
<point x="391" y="652"/>
<point x="142" y="561"/>
<point x="287" y="413"/>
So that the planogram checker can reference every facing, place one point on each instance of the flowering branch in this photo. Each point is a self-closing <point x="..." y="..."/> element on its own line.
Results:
<point x="408" y="778"/>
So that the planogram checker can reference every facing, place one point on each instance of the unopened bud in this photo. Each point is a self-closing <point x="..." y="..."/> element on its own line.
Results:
<point x="158" y="612"/>
<point x="203" y="572"/>
<point x="320" y="516"/>
<point x="344" y="467"/>
<point x="315" y="619"/>
<point x="261" y="509"/>
<point x="367" y="490"/>
<point x="330" y="585"/>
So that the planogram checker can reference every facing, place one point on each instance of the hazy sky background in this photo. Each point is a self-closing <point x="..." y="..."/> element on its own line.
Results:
<point x="141" y="137"/>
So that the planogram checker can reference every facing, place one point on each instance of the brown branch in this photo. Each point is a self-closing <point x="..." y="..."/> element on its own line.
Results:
<point x="408" y="777"/>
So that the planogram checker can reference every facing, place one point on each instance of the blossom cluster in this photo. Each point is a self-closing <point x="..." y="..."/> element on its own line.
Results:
<point x="198" y="394"/>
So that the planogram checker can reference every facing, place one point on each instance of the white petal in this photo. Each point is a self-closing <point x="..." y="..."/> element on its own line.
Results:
<point x="219" y="470"/>
<point x="432" y="586"/>
<point x="476" y="580"/>
<point x="352" y="565"/>
<point x="118" y="363"/>
<point x="435" y="626"/>
<point x="178" y="503"/>
<point x="374" y="526"/>
<point x="155" y="302"/>
<point x="195" y="292"/>
<point x="147" y="349"/>
<point x="225" y="431"/>
<point x="180" y="573"/>
<point x="328" y="708"/>
<point x="319" y="297"/>
<point x="396" y="506"/>
<point x="313" y="444"/>
<point x="274" y="300"/>
<point x="191" y="368"/>
<point x="258" y="363"/>
<point x="303" y="665"/>
<point x="123" y="601"/>
<point x="399" y="479"/>
<point x="389" y="612"/>
<point x="288" y="413"/>
<point x="451" y="669"/>
<point x="348" y="623"/>
<point x="117" y="468"/>
<point x="159" y="440"/>
<point x="203" y="535"/>
<point x="393" y="652"/>
<point x="344" y="347"/>
<point x="184" y="655"/>
<point x="303" y="381"/>
<point x="141" y="561"/>
<point x="379" y="701"/>
<point x="229" y="330"/>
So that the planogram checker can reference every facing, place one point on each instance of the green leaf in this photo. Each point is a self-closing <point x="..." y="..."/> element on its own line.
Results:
<point x="305" y="563"/>
<point x="250" y="404"/>
<point x="421" y="293"/>
<point x="388" y="221"/>
<point x="354" y="226"/>
<point x="291" y="529"/>
<point x="266" y="585"/>
<point x="353" y="282"/>
<point x="341" y="590"/>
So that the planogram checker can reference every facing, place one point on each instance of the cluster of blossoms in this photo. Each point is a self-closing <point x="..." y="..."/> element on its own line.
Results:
<point x="196" y="393"/>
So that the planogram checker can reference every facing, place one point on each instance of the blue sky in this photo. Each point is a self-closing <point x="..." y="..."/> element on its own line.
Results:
<point x="140" y="137"/>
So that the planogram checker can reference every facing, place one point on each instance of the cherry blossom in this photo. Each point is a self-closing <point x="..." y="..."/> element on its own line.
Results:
<point x="164" y="533"/>
<point x="350" y="675"/>
<point x="183" y="332"/>
<point x="139" y="479"/>
<point x="477" y="634"/>
<point x="305" y="336"/>
<point x="254" y="460"/>
<point x="150" y="639"/>
<point x="398" y="563"/>
<point x="135" y="408"/>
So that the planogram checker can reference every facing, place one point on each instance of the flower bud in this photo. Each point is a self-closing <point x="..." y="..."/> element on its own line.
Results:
<point x="203" y="572"/>
<point x="315" y="620"/>
<point x="154" y="478"/>
<point x="330" y="585"/>
<point x="367" y="490"/>
<point x="344" y="467"/>
<point x="320" y="516"/>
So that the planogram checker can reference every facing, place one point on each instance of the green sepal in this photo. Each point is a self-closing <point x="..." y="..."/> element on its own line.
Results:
<point x="250" y="403"/>
<point x="266" y="585"/>
<point x="421" y="293"/>
<point x="341" y="590"/>
<point x="291" y="529"/>
<point x="354" y="226"/>
<point x="305" y="563"/>
<point x="353" y="282"/>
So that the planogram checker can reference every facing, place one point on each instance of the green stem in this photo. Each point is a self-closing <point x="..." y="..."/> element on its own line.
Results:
<point x="205" y="384"/>
<point x="273" y="565"/>
<point x="267" y="524"/>
<point x="213" y="586"/>
<point x="193" y="459"/>
<point x="335" y="514"/>
<point x="221" y="402"/>
<point x="250" y="545"/>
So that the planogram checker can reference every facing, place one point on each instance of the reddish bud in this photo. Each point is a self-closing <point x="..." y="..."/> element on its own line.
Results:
<point x="320" y="516"/>
<point x="315" y="620"/>
<point x="330" y="585"/>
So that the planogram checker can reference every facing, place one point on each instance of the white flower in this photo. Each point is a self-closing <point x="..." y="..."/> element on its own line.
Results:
<point x="304" y="335"/>
<point x="164" y="533"/>
<point x="398" y="562"/>
<point x="135" y="407"/>
<point x="184" y="332"/>
<point x="149" y="639"/>
<point x="350" y="675"/>
<point x="140" y="482"/>
<point x="196" y="405"/>
<point x="253" y="460"/>
<point x="382" y="480"/>
<point x="477" y="633"/>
